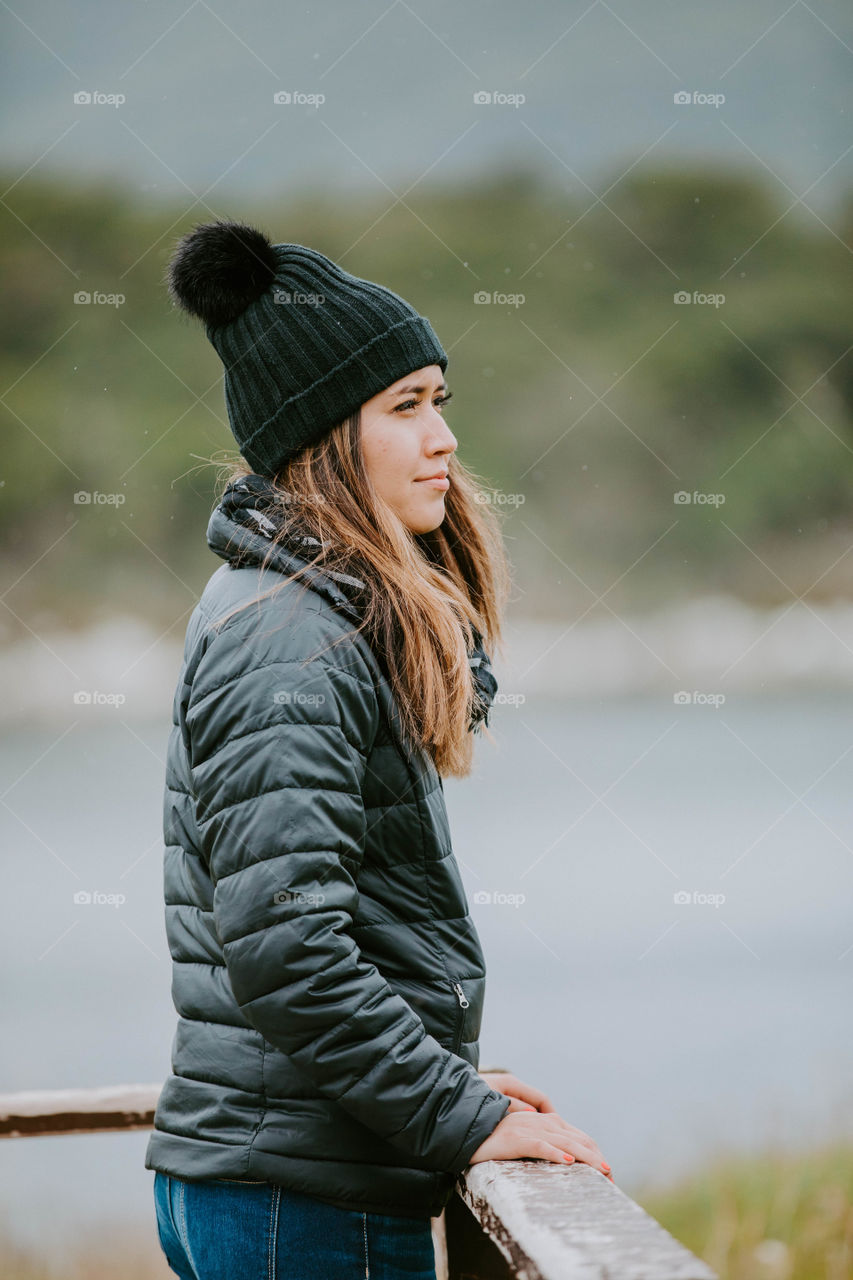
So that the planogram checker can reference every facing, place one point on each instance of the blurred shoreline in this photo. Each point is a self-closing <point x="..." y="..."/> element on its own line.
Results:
<point x="697" y="651"/>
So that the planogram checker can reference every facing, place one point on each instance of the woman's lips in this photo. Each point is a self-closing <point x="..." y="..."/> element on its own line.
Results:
<point x="439" y="482"/>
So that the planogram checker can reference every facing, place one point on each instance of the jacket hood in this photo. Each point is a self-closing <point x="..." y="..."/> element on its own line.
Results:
<point x="243" y="525"/>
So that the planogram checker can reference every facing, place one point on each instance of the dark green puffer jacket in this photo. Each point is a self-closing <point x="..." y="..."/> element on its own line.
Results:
<point x="327" y="976"/>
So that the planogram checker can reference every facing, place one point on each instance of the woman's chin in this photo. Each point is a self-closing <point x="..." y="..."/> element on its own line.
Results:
<point x="427" y="517"/>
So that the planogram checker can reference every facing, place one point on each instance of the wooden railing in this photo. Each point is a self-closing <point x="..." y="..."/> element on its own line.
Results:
<point x="511" y="1219"/>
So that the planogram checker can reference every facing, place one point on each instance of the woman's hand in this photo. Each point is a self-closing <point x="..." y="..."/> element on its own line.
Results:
<point x="520" y="1092"/>
<point x="532" y="1129"/>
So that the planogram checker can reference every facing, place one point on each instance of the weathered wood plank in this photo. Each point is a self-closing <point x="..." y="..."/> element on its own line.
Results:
<point x="553" y="1223"/>
<point x="41" y="1113"/>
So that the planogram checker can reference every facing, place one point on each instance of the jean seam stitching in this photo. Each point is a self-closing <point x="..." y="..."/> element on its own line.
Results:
<point x="184" y="1237"/>
<point x="174" y="1224"/>
<point x="273" y="1235"/>
<point x="366" y="1254"/>
<point x="170" y="1217"/>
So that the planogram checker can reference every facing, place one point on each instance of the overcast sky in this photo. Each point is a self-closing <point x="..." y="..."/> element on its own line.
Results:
<point x="390" y="91"/>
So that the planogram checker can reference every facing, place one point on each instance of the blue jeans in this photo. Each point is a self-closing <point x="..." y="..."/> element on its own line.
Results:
<point x="220" y="1229"/>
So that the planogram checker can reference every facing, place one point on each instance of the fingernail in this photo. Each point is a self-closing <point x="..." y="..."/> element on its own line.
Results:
<point x="605" y="1167"/>
<point x="568" y="1159"/>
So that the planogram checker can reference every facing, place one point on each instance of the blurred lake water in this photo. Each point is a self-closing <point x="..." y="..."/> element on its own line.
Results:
<point x="663" y="892"/>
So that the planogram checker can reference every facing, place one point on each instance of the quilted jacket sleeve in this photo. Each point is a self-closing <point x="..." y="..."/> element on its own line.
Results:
<point x="278" y="754"/>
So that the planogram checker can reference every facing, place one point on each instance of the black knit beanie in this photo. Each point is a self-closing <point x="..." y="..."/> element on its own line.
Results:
<point x="303" y="342"/>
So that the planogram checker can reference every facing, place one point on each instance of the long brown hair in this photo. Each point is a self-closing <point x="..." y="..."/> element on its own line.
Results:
<point x="424" y="591"/>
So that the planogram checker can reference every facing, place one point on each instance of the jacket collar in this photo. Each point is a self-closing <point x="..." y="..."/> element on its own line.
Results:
<point x="241" y="529"/>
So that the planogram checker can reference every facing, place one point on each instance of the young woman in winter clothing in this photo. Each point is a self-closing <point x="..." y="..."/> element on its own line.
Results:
<point x="327" y="976"/>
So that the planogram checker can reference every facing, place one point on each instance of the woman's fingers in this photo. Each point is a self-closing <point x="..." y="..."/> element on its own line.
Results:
<point x="578" y="1135"/>
<point x="558" y="1135"/>
<point x="507" y="1083"/>
<point x="530" y="1134"/>
<point x="557" y="1154"/>
<point x="566" y="1142"/>
<point x="536" y="1098"/>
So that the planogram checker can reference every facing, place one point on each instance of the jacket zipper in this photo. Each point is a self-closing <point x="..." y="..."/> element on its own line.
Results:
<point x="464" y="1002"/>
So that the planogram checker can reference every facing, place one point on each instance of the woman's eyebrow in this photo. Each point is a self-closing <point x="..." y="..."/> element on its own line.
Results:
<point x="404" y="391"/>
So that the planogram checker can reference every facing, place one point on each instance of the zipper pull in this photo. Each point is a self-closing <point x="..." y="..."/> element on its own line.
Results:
<point x="460" y="995"/>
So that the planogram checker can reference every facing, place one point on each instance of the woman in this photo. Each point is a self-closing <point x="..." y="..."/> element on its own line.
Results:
<point x="327" y="976"/>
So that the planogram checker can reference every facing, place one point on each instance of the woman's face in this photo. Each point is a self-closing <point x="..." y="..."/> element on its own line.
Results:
<point x="405" y="441"/>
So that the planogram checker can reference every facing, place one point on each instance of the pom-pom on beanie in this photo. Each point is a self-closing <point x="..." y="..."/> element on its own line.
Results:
<point x="303" y="342"/>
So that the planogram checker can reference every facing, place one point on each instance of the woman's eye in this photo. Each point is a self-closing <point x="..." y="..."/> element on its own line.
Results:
<point x="439" y="402"/>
